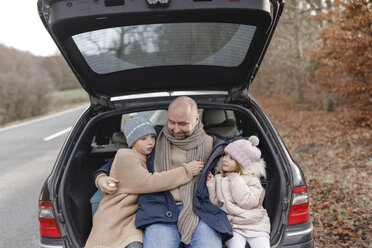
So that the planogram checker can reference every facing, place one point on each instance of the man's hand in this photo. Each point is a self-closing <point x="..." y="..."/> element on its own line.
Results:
<point x="108" y="185"/>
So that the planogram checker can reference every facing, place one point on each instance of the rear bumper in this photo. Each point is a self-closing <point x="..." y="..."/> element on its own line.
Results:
<point x="309" y="244"/>
<point x="51" y="243"/>
<point x="50" y="246"/>
<point x="299" y="236"/>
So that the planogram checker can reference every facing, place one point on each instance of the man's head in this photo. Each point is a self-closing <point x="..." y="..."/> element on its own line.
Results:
<point x="183" y="117"/>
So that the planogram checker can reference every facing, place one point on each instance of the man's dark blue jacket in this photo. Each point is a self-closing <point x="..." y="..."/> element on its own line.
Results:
<point x="161" y="208"/>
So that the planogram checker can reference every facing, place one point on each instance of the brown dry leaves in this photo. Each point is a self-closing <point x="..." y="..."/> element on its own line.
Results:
<point x="337" y="162"/>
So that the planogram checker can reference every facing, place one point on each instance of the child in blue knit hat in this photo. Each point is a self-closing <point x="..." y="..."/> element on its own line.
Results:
<point x="113" y="223"/>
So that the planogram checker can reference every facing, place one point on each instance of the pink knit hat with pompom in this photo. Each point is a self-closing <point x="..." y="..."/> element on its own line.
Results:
<point x="244" y="151"/>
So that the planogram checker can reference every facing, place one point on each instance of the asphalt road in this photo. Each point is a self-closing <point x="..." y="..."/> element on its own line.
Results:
<point x="27" y="154"/>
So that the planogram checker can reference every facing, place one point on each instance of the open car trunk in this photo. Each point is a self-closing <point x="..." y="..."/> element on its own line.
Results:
<point x="101" y="138"/>
<point x="118" y="48"/>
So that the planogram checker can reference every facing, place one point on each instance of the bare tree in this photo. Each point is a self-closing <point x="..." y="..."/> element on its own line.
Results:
<point x="61" y="76"/>
<point x="287" y="67"/>
<point x="24" y="85"/>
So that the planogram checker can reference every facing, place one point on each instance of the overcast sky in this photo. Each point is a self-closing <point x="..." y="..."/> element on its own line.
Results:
<point x="21" y="28"/>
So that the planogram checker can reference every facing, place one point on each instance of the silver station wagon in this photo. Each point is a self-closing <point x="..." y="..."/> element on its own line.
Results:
<point x="136" y="56"/>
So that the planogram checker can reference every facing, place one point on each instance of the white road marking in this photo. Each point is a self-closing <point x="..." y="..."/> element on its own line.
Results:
<point x="40" y="119"/>
<point x="50" y="137"/>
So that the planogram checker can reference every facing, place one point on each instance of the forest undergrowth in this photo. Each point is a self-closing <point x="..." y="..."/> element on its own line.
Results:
<point x="337" y="162"/>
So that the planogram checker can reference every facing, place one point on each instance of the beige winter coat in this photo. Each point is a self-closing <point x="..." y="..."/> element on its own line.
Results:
<point x="241" y="198"/>
<point x="113" y="223"/>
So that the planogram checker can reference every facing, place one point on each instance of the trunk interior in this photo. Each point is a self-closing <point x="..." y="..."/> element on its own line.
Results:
<point x="102" y="137"/>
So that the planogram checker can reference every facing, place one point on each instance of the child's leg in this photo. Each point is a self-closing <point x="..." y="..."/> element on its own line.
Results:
<point x="259" y="242"/>
<point x="238" y="241"/>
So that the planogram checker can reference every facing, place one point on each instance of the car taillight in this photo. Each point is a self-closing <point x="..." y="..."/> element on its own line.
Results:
<point x="299" y="212"/>
<point x="48" y="224"/>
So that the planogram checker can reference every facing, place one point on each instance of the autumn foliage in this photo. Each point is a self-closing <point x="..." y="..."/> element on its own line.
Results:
<point x="332" y="148"/>
<point x="346" y="56"/>
<point x="337" y="164"/>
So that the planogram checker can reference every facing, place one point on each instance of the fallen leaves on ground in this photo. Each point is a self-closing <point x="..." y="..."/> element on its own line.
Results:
<point x="337" y="162"/>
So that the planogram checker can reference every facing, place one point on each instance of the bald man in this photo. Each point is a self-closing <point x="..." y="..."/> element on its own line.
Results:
<point x="182" y="216"/>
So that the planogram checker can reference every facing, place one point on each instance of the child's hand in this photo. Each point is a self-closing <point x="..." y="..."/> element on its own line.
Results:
<point x="232" y="175"/>
<point x="210" y="176"/>
<point x="108" y="185"/>
<point x="195" y="167"/>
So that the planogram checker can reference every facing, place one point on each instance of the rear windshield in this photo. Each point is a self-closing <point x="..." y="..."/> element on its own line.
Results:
<point x="123" y="48"/>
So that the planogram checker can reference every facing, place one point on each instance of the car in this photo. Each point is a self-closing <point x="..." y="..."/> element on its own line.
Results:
<point x="136" y="56"/>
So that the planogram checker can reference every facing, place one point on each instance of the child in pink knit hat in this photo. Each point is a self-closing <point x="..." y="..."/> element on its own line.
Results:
<point x="238" y="192"/>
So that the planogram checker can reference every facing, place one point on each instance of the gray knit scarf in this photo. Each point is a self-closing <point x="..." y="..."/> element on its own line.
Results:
<point x="195" y="146"/>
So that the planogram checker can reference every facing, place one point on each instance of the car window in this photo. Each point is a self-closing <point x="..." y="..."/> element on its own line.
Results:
<point x="123" y="48"/>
